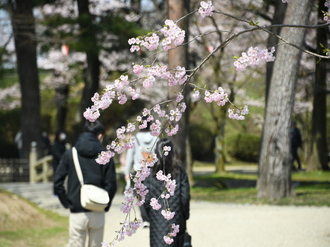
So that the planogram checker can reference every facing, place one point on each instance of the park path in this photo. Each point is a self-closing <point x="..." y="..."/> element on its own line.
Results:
<point x="214" y="224"/>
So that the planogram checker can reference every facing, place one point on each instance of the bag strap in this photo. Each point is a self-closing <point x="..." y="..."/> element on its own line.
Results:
<point x="77" y="165"/>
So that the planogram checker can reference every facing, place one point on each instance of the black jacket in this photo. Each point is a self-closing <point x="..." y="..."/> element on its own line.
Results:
<point x="104" y="176"/>
<point x="296" y="138"/>
<point x="179" y="203"/>
<point x="58" y="150"/>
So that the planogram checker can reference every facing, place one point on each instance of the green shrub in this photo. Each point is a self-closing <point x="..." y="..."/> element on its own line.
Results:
<point x="244" y="146"/>
<point x="201" y="142"/>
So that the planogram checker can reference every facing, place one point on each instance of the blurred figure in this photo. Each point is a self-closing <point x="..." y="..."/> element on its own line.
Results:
<point x="296" y="142"/>
<point x="58" y="149"/>
<point x="179" y="203"/>
<point x="45" y="142"/>
<point x="19" y="144"/>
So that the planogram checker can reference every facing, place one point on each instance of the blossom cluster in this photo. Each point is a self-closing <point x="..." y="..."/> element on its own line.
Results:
<point x="174" y="231"/>
<point x="137" y="193"/>
<point x="218" y="96"/>
<point x="122" y="84"/>
<point x="166" y="150"/>
<point x="173" y="37"/>
<point x="238" y="114"/>
<point x="254" y="56"/>
<point x="128" y="228"/>
<point x="170" y="185"/>
<point x="206" y="9"/>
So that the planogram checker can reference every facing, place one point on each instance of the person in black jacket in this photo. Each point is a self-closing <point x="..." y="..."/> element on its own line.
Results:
<point x="83" y="222"/>
<point x="178" y="203"/>
<point x="58" y="149"/>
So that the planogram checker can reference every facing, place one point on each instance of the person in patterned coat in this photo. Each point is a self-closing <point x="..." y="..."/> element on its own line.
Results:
<point x="178" y="203"/>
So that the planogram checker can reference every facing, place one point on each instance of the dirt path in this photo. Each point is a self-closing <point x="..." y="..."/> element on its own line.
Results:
<point x="216" y="224"/>
<point x="230" y="225"/>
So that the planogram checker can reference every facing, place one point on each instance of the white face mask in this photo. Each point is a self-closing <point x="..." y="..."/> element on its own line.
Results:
<point x="62" y="136"/>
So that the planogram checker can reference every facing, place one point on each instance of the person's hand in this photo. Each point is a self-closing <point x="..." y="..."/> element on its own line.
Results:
<point x="127" y="177"/>
<point x="128" y="184"/>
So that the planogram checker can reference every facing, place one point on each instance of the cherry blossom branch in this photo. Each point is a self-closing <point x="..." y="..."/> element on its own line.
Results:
<point x="173" y="37"/>
<point x="265" y="28"/>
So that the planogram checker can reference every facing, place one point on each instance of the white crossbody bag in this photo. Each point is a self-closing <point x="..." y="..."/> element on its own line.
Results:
<point x="91" y="197"/>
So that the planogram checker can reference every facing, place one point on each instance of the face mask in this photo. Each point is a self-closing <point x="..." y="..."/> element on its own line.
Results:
<point x="62" y="136"/>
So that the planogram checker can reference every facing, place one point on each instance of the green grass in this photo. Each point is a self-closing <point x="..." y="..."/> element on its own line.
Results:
<point x="33" y="237"/>
<point x="311" y="189"/>
<point x="48" y="228"/>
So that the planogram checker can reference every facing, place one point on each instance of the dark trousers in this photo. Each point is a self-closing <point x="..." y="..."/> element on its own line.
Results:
<point x="295" y="157"/>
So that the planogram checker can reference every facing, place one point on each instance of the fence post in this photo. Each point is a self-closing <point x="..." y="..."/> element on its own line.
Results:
<point x="45" y="171"/>
<point x="32" y="162"/>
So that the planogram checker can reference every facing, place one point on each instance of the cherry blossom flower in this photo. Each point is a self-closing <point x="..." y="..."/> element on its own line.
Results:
<point x="154" y="204"/>
<point x="166" y="150"/>
<point x="206" y="9"/>
<point x="254" y="56"/>
<point x="137" y="69"/>
<point x="195" y="95"/>
<point x="168" y="240"/>
<point x="327" y="4"/>
<point x="238" y="114"/>
<point x="167" y="214"/>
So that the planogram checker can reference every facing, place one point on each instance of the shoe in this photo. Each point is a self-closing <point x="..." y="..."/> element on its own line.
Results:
<point x="146" y="224"/>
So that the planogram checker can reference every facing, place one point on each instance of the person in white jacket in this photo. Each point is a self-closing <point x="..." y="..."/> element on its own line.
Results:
<point x="143" y="142"/>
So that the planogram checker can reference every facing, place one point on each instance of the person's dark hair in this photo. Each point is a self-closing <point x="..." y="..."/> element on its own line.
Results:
<point x="167" y="163"/>
<point x="94" y="127"/>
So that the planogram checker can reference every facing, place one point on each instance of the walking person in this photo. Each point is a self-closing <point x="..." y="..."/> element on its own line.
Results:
<point x="58" y="149"/>
<point x="296" y="142"/>
<point x="179" y="203"/>
<point x="85" y="223"/>
<point x="144" y="146"/>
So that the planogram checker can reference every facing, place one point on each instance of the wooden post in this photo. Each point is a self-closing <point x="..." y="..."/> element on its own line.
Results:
<point x="32" y="162"/>
<point x="45" y="171"/>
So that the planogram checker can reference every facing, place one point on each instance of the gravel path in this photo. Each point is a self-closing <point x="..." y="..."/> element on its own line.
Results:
<point x="215" y="224"/>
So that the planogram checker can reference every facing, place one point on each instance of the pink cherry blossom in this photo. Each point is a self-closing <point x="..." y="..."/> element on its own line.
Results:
<point x="206" y="9"/>
<point x="254" y="56"/>
<point x="195" y="95"/>
<point x="175" y="230"/>
<point x="154" y="204"/>
<point x="167" y="214"/>
<point x="327" y="4"/>
<point x="156" y="128"/>
<point x="168" y="240"/>
<point x="166" y="150"/>
<point x="137" y="69"/>
<point x="238" y="114"/>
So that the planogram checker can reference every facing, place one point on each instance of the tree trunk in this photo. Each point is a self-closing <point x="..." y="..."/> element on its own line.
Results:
<point x="318" y="158"/>
<point x="178" y="57"/>
<point x="219" y="149"/>
<point x="92" y="68"/>
<point x="62" y="95"/>
<point x="278" y="18"/>
<point x="275" y="159"/>
<point x="26" y="54"/>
